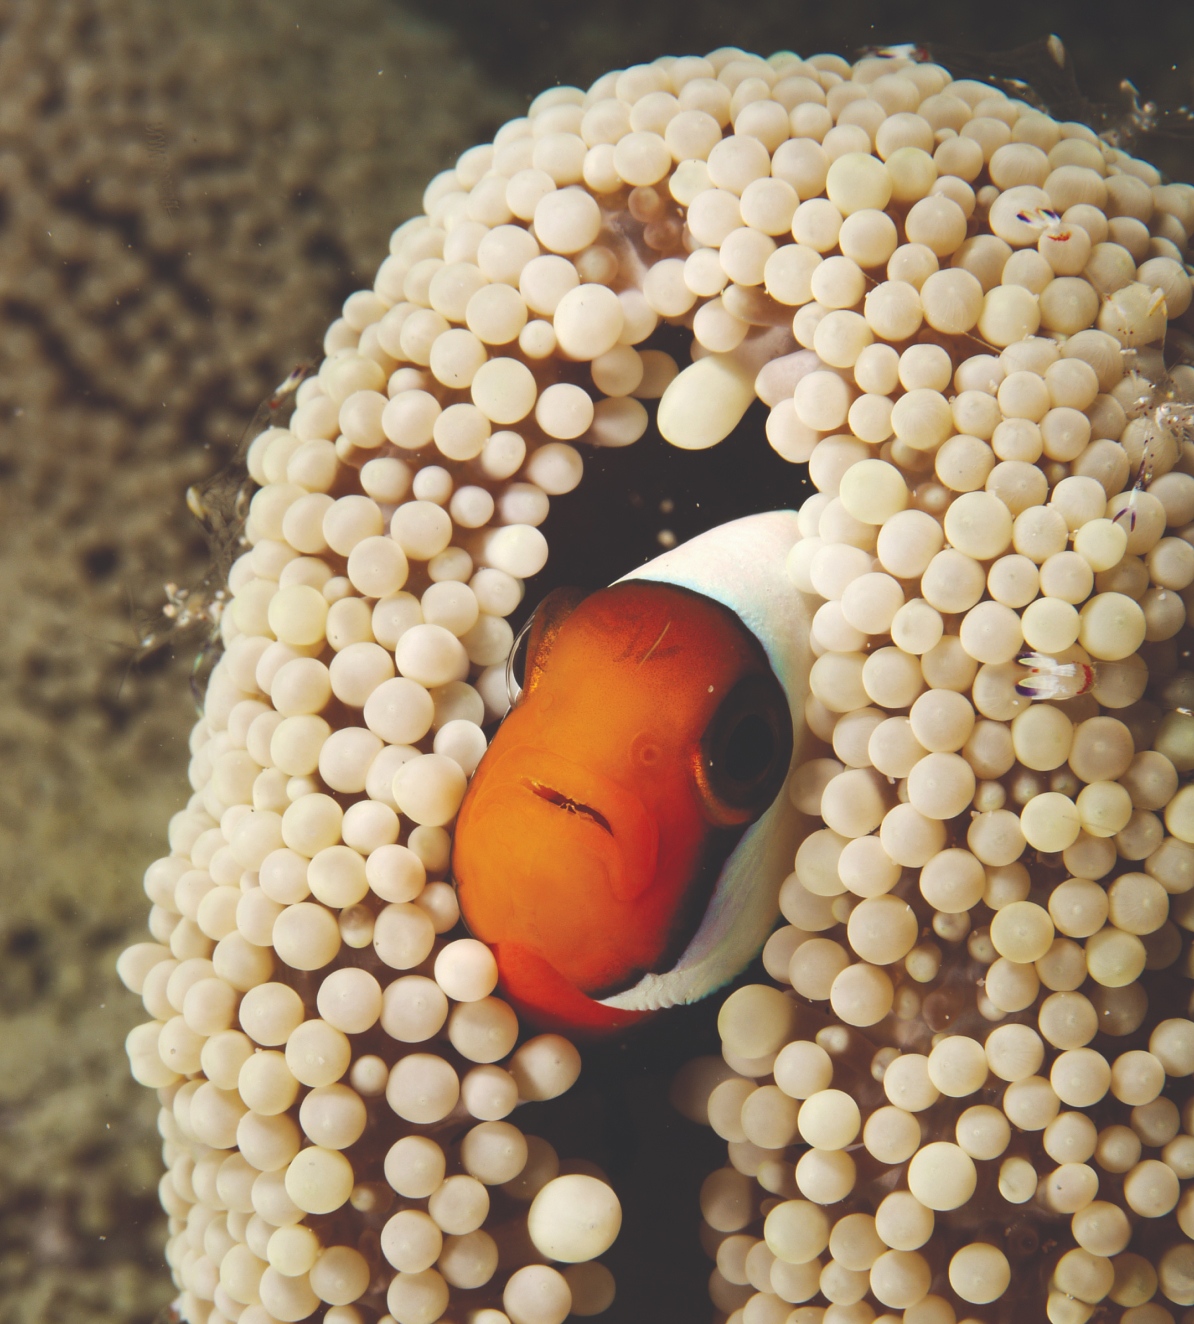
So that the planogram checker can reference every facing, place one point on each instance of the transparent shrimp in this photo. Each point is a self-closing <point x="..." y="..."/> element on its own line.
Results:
<point x="1170" y="419"/>
<point x="1049" y="678"/>
<point x="1045" y="221"/>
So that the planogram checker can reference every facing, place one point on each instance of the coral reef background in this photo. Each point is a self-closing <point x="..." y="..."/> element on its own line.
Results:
<point x="186" y="194"/>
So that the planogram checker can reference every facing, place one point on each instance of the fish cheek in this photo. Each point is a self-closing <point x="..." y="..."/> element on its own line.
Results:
<point x="716" y="846"/>
<point x="478" y="847"/>
<point x="681" y="829"/>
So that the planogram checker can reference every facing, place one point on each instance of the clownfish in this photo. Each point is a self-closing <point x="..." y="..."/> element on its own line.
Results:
<point x="622" y="843"/>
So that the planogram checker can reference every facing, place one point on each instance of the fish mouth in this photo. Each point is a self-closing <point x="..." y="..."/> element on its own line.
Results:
<point x="567" y="803"/>
<point x="607" y="816"/>
<point x="559" y="858"/>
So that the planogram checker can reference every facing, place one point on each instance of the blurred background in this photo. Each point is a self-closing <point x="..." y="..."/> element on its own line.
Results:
<point x="187" y="193"/>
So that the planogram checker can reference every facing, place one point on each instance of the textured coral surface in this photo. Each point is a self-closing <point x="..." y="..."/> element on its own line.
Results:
<point x="212" y="180"/>
<point x="186" y="190"/>
<point x="335" y="1132"/>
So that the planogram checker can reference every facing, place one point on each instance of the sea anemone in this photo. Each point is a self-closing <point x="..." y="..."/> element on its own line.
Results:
<point x="954" y="307"/>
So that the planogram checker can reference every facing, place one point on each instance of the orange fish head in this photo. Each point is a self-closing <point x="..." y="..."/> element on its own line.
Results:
<point x="650" y="733"/>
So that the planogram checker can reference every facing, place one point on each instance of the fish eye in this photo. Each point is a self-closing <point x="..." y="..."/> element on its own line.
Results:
<point x="516" y="663"/>
<point x="749" y="749"/>
<point x="746" y="750"/>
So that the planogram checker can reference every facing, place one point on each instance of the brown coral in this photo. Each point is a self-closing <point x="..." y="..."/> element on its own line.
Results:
<point x="185" y="191"/>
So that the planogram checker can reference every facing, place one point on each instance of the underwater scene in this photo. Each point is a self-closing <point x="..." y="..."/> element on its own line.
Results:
<point x="597" y="684"/>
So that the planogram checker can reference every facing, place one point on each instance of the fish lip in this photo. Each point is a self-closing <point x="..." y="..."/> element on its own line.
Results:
<point x="567" y="803"/>
<point x="581" y="1014"/>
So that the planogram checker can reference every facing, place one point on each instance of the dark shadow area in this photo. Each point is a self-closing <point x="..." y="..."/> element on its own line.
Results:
<point x="613" y="521"/>
<point x="528" y="45"/>
<point x="618" y="1116"/>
